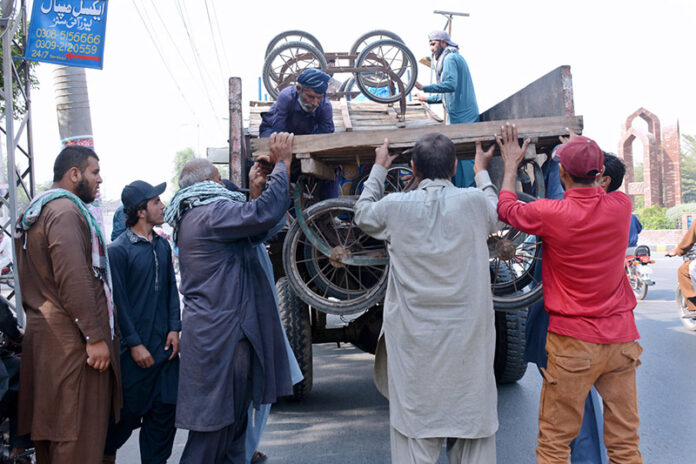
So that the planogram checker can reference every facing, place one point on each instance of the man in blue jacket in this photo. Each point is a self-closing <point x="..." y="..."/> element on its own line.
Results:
<point x="302" y="109"/>
<point x="149" y="322"/>
<point x="455" y="90"/>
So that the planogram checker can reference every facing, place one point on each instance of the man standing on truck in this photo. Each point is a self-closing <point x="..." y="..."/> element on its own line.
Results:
<point x="232" y="346"/>
<point x="70" y="380"/>
<point x="455" y="90"/>
<point x="592" y="331"/>
<point x="149" y="322"/>
<point x="301" y="109"/>
<point x="438" y="337"/>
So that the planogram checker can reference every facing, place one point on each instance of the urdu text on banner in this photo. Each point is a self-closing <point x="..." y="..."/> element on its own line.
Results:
<point x="67" y="32"/>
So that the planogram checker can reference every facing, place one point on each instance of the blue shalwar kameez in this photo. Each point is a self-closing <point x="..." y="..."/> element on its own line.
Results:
<point x="147" y="302"/>
<point x="232" y="348"/>
<point x="455" y="90"/>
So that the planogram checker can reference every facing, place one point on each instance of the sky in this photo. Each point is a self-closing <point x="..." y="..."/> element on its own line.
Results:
<point x="623" y="55"/>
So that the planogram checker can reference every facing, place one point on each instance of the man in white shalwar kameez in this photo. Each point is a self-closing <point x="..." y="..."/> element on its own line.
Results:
<point x="438" y="325"/>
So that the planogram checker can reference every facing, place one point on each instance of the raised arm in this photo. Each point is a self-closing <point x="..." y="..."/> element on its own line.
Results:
<point x="370" y="214"/>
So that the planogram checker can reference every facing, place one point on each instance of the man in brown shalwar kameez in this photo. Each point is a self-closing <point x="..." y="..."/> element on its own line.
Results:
<point x="70" y="376"/>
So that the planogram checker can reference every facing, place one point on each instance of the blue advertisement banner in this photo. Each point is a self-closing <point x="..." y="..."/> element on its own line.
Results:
<point x="68" y="32"/>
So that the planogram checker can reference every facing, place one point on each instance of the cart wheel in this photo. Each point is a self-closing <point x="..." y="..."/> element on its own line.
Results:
<point x="292" y="36"/>
<point x="382" y="86"/>
<point x="369" y="37"/>
<point x="398" y="177"/>
<point x="331" y="286"/>
<point x="295" y="317"/>
<point x="514" y="256"/>
<point x="510" y="341"/>
<point x="286" y="62"/>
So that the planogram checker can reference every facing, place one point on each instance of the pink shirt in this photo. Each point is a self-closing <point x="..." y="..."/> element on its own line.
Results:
<point x="586" y="292"/>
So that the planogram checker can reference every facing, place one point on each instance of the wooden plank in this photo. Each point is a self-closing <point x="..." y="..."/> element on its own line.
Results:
<point x="317" y="168"/>
<point x="346" y="115"/>
<point x="407" y="137"/>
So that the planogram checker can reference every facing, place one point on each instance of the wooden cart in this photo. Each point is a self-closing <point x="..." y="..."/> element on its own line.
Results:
<point x="324" y="264"/>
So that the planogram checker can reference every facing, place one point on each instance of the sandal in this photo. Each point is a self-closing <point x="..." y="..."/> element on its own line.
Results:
<point x="258" y="457"/>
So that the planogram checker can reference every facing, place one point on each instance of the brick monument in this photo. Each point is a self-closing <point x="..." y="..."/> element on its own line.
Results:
<point x="661" y="160"/>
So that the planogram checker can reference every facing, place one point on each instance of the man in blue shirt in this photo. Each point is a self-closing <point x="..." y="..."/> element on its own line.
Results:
<point x="149" y="322"/>
<point x="455" y="90"/>
<point x="302" y="109"/>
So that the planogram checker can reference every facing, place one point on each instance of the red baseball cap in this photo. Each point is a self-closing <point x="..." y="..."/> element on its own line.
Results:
<point x="581" y="157"/>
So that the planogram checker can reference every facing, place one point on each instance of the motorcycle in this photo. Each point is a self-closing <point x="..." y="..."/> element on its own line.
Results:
<point x="637" y="270"/>
<point x="686" y="315"/>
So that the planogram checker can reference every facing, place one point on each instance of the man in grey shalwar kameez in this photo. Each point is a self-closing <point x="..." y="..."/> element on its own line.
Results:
<point x="232" y="346"/>
<point x="438" y="328"/>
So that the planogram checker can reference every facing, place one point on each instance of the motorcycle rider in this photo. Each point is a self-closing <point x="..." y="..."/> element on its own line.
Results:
<point x="687" y="271"/>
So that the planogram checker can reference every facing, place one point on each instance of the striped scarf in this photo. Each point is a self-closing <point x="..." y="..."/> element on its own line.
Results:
<point x="100" y="259"/>
<point x="198" y="194"/>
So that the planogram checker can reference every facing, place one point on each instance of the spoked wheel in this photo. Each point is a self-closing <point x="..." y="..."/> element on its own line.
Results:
<point x="687" y="316"/>
<point x="392" y="64"/>
<point x="325" y="282"/>
<point x="287" y="61"/>
<point x="369" y="37"/>
<point x="398" y="178"/>
<point x="293" y="36"/>
<point x="514" y="256"/>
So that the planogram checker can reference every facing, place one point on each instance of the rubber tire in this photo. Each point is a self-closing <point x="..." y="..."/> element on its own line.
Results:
<point x="688" y="323"/>
<point x="295" y="318"/>
<point x="407" y="88"/>
<point x="274" y="41"/>
<point x="641" y="289"/>
<point x="507" y="303"/>
<point x="354" y="49"/>
<point x="266" y="73"/>
<point x="288" y="259"/>
<point x="509" y="365"/>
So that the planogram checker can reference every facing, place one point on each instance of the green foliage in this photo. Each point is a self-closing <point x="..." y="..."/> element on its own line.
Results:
<point x="654" y="217"/>
<point x="638" y="173"/>
<point x="674" y="214"/>
<point x="182" y="157"/>
<point x="688" y="168"/>
<point x="23" y="67"/>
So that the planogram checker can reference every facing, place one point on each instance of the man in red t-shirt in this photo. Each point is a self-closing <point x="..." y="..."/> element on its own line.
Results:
<point x="592" y="331"/>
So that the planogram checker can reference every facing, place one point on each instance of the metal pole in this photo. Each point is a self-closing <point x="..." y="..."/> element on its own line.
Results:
<point x="10" y="147"/>
<point x="237" y="161"/>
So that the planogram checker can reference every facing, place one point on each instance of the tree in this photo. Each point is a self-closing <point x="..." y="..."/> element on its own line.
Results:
<point x="688" y="168"/>
<point x="182" y="157"/>
<point x="23" y="67"/>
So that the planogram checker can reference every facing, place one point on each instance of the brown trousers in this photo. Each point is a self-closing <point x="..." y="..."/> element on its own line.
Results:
<point x="91" y="435"/>
<point x="687" y="287"/>
<point x="574" y="366"/>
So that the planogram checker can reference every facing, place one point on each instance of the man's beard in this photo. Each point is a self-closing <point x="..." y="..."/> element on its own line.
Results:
<point x="438" y="51"/>
<point x="83" y="191"/>
<point x="305" y="106"/>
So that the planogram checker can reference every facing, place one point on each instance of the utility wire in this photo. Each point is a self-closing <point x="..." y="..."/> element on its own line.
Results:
<point x="222" y="42"/>
<point x="212" y="35"/>
<point x="171" y="74"/>
<point x="174" y="44"/>
<point x="196" y="57"/>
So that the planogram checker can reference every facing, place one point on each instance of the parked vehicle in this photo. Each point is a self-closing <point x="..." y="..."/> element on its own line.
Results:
<point x="638" y="271"/>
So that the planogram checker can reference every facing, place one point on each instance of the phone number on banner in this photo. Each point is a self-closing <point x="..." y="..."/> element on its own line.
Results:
<point x="49" y="40"/>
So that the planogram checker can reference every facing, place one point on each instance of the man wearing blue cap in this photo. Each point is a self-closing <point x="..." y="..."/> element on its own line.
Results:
<point x="301" y="109"/>
<point x="455" y="90"/>
<point x="149" y="323"/>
